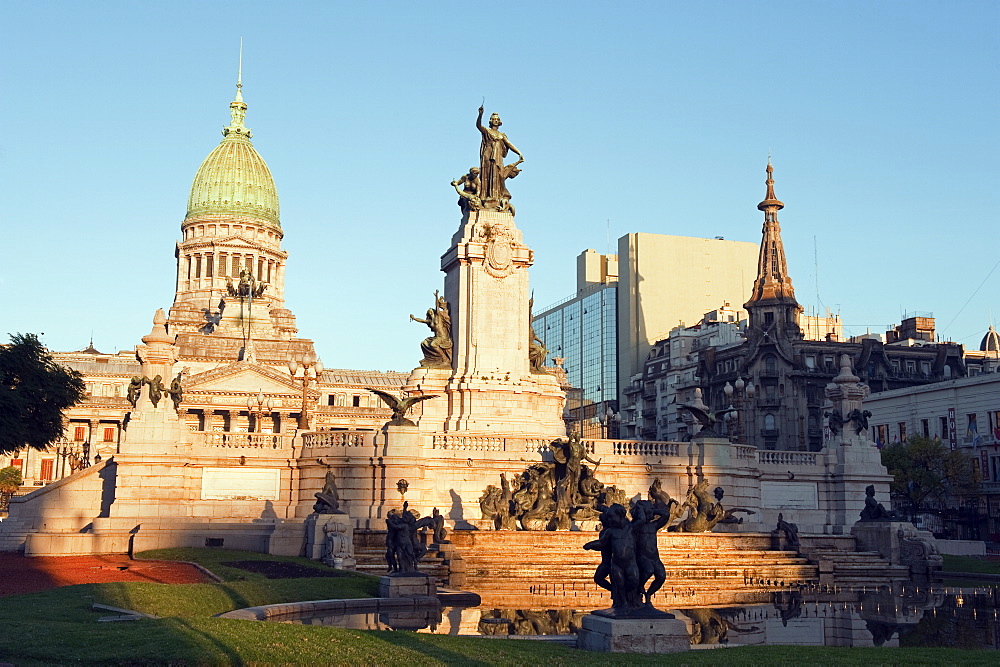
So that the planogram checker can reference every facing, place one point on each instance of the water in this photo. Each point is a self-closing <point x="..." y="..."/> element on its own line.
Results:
<point x="811" y="616"/>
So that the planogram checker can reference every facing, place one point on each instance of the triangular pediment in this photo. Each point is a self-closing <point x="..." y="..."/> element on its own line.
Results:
<point x="242" y="377"/>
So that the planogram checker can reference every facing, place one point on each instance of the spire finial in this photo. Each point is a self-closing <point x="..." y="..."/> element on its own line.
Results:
<point x="239" y="75"/>
<point x="769" y="199"/>
<point x="238" y="108"/>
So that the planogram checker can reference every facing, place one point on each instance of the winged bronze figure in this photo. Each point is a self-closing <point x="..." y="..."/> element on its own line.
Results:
<point x="400" y="406"/>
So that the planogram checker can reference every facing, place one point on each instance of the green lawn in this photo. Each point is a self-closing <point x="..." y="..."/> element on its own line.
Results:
<point x="970" y="564"/>
<point x="58" y="627"/>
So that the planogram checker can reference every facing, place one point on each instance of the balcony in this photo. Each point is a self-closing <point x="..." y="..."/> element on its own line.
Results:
<point x="769" y="433"/>
<point x="768" y="402"/>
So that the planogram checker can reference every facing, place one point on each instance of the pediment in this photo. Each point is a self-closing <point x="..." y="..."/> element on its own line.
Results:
<point x="242" y="377"/>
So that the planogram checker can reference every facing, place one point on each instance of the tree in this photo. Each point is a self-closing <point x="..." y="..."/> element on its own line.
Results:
<point x="10" y="480"/>
<point x="926" y="473"/>
<point x="34" y="391"/>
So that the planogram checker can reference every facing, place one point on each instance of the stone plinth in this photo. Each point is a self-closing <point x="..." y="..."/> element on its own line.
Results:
<point x="407" y="585"/>
<point x="633" y="635"/>
<point x="900" y="543"/>
<point x="330" y="537"/>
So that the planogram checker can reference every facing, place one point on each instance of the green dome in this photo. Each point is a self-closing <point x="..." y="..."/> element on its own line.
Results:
<point x="234" y="180"/>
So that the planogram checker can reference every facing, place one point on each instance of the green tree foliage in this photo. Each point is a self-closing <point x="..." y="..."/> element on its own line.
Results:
<point x="926" y="473"/>
<point x="34" y="391"/>
<point x="10" y="480"/>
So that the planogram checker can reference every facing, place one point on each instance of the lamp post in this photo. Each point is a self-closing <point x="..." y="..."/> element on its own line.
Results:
<point x="608" y="419"/>
<point x="311" y="368"/>
<point x="742" y="392"/>
<point x="257" y="407"/>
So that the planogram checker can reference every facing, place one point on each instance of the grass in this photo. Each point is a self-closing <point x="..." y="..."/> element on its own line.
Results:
<point x="970" y="564"/>
<point x="58" y="627"/>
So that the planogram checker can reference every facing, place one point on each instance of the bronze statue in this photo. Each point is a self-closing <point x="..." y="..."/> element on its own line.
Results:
<point x="789" y="530"/>
<point x="439" y="530"/>
<point x="704" y="511"/>
<point x="468" y="196"/>
<point x="328" y="500"/>
<point x="437" y="348"/>
<point x="629" y="557"/>
<point x="860" y="419"/>
<point x="134" y="389"/>
<point x="403" y="547"/>
<point x="835" y="421"/>
<point x="176" y="392"/>
<point x="536" y="348"/>
<point x="156" y="389"/>
<point x="400" y="406"/>
<point x="874" y="510"/>
<point x="493" y="149"/>
<point x="647" y="520"/>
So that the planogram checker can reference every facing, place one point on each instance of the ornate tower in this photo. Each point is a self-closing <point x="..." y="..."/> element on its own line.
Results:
<point x="772" y="306"/>
<point x="229" y="300"/>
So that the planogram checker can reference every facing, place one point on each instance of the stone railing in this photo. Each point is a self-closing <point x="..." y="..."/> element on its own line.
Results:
<point x="636" y="448"/>
<point x="769" y="457"/>
<point x="745" y="452"/>
<point x="241" y="440"/>
<point x="338" y="439"/>
<point x="489" y="443"/>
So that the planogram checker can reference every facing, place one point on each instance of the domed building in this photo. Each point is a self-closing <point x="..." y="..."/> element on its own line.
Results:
<point x="201" y="422"/>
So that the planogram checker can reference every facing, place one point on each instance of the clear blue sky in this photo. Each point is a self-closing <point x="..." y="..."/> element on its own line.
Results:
<point x="656" y="116"/>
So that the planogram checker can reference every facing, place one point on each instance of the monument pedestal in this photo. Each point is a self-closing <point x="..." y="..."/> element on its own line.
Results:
<point x="407" y="585"/>
<point x="632" y="635"/>
<point x="900" y="543"/>
<point x="330" y="537"/>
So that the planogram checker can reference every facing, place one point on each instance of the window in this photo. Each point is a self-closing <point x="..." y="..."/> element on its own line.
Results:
<point x="356" y="401"/>
<point x="79" y="433"/>
<point x="902" y="431"/>
<point x="811" y="361"/>
<point x="209" y="266"/>
<point x="770" y="364"/>
<point x="109" y="434"/>
<point x="331" y="400"/>
<point x="925" y="428"/>
<point x="769" y="422"/>
<point x="17" y="463"/>
<point x="768" y="318"/>
<point x="943" y="425"/>
<point x="197" y="266"/>
<point x="48" y="465"/>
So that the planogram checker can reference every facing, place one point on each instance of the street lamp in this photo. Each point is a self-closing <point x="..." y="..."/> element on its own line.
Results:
<point x="743" y="392"/>
<point x="257" y="407"/>
<point x="608" y="419"/>
<point x="311" y="368"/>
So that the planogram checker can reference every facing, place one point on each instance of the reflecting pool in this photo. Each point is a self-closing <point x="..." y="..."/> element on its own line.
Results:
<point x="811" y="616"/>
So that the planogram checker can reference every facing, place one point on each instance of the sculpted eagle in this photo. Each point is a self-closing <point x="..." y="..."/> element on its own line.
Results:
<point x="400" y="406"/>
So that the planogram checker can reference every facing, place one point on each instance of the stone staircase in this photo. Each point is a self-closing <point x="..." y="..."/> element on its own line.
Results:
<point x="548" y="570"/>
<point x="551" y="569"/>
<point x="841" y="564"/>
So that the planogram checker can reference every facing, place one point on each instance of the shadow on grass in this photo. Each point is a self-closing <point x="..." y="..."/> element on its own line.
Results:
<point x="412" y="642"/>
<point x="233" y="658"/>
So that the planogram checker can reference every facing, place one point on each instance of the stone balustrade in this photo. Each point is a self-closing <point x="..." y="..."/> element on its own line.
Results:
<point x="745" y="452"/>
<point x="338" y="439"/>
<point x="649" y="448"/>
<point x="488" y="443"/>
<point x="240" y="440"/>
<point x="768" y="457"/>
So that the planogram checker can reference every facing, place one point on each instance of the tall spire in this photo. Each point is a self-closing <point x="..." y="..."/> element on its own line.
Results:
<point x="773" y="281"/>
<point x="238" y="108"/>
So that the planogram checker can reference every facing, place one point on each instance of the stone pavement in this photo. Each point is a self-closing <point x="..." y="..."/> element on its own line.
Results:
<point x="19" y="574"/>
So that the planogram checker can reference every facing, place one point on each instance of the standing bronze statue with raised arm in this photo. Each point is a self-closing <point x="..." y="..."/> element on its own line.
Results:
<point x="494" y="148"/>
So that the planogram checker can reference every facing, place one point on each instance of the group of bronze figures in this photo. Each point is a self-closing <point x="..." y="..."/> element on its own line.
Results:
<point x="404" y="548"/>
<point x="857" y="417"/>
<point x="156" y="390"/>
<point x="551" y="495"/>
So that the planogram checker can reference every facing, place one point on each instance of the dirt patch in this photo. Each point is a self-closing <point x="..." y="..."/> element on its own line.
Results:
<point x="19" y="574"/>
<point x="276" y="569"/>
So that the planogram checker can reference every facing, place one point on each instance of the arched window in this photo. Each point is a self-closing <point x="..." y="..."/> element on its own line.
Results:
<point x="769" y="422"/>
<point x="771" y="364"/>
